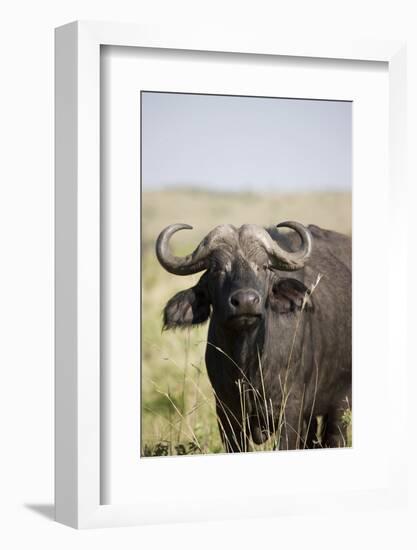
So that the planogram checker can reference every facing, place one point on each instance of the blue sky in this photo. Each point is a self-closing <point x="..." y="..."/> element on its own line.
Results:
<point x="228" y="143"/>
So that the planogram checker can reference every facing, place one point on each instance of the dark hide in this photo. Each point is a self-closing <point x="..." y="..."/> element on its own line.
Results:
<point x="290" y="356"/>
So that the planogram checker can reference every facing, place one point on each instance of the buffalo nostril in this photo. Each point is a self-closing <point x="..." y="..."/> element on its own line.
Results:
<point x="234" y="301"/>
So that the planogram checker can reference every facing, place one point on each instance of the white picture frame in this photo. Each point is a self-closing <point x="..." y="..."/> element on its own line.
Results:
<point x="78" y="404"/>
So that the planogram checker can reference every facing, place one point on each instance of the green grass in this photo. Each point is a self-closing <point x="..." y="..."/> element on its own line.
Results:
<point x="178" y="413"/>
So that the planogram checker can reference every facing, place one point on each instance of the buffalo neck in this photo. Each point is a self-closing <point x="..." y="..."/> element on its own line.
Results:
<point x="242" y="348"/>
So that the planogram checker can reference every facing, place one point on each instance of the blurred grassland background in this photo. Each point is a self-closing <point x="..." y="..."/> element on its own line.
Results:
<point x="178" y="415"/>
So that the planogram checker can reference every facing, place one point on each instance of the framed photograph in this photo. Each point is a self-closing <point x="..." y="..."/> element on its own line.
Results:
<point x="221" y="339"/>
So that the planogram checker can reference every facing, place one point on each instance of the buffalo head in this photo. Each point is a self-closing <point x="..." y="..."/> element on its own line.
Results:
<point x="241" y="281"/>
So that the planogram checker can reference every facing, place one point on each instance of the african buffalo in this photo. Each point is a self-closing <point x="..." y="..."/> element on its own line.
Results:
<point x="279" y="345"/>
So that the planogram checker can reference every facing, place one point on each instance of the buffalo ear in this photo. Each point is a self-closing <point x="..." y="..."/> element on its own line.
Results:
<point x="288" y="295"/>
<point x="188" y="307"/>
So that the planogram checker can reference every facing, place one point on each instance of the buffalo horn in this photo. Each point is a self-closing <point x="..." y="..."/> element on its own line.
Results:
<point x="291" y="261"/>
<point x="197" y="260"/>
